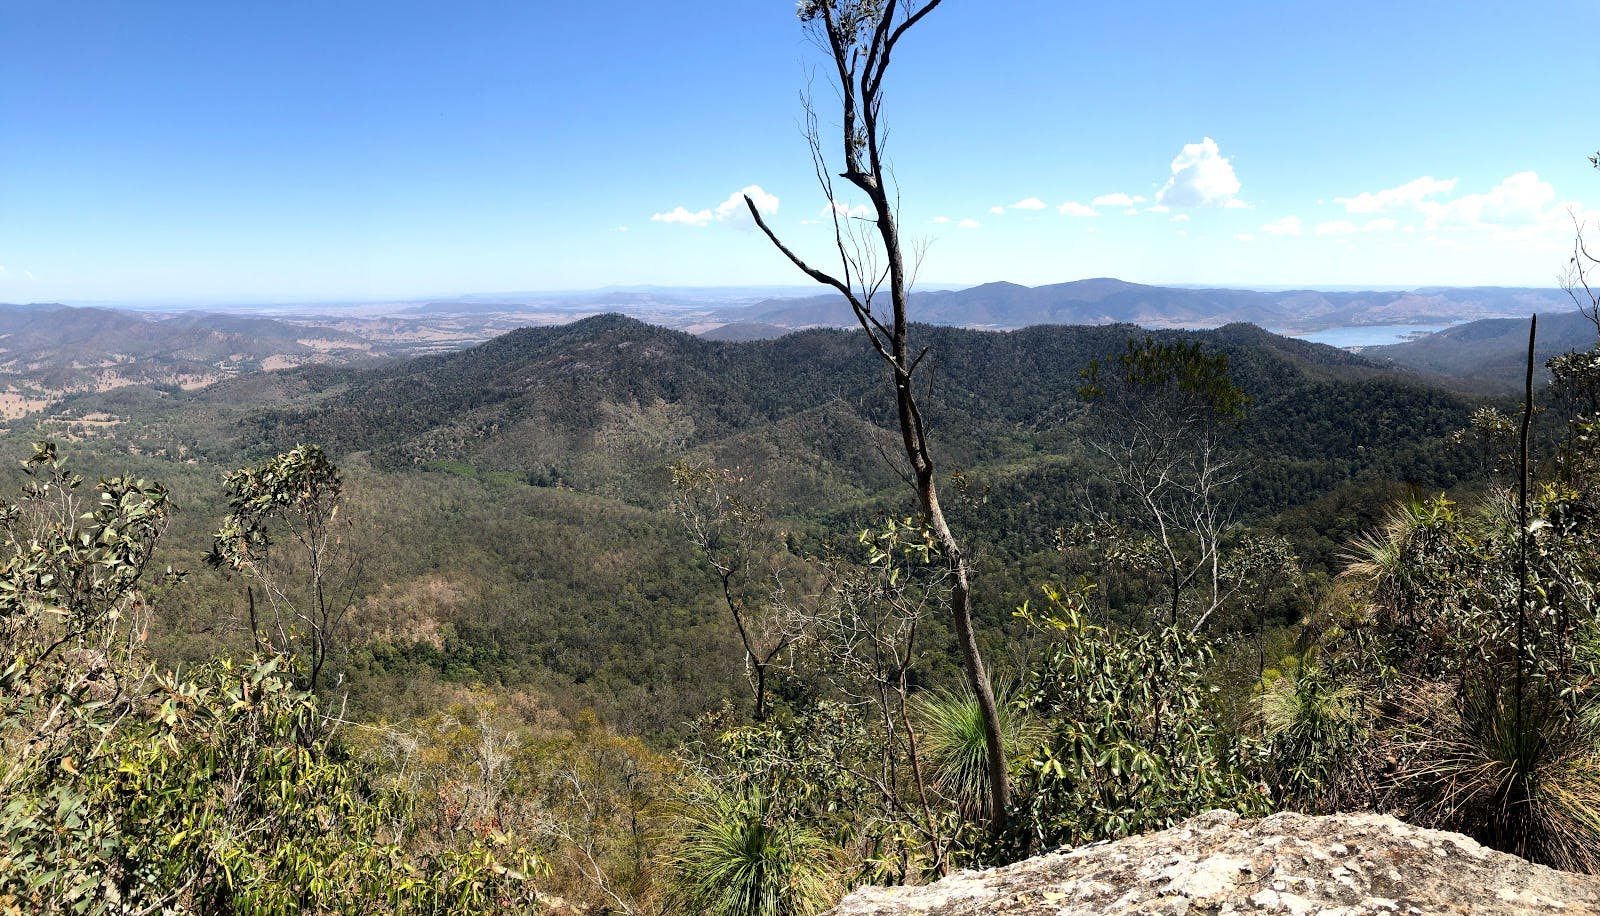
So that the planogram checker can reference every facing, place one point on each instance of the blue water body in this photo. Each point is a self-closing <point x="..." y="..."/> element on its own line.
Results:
<point x="1370" y="335"/>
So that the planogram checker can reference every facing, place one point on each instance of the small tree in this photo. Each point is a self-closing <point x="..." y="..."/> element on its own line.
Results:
<point x="731" y="533"/>
<point x="284" y="535"/>
<point x="860" y="37"/>
<point x="1164" y="410"/>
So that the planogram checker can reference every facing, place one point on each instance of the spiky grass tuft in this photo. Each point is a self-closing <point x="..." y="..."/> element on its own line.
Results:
<point x="950" y="724"/>
<point x="1525" y="782"/>
<point x="737" y="858"/>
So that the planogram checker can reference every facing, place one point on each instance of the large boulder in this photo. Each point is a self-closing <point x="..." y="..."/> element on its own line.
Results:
<point x="1288" y="863"/>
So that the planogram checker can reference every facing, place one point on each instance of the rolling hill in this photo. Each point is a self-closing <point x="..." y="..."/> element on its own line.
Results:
<point x="527" y="477"/>
<point x="1490" y="354"/>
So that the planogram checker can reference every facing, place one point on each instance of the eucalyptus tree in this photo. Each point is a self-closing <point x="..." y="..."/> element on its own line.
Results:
<point x="1163" y="413"/>
<point x="874" y="275"/>
<point x="284" y="535"/>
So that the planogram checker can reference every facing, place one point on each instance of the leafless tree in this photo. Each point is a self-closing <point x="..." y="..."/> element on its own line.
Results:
<point x="860" y="37"/>
<point x="1582" y="279"/>
<point x="732" y="535"/>
<point x="1162" y="413"/>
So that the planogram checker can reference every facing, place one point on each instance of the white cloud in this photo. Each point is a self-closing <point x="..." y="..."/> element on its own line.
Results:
<point x="620" y="229"/>
<point x="997" y="210"/>
<point x="941" y="220"/>
<point x="1336" y="227"/>
<point x="1132" y="211"/>
<point x="1116" y="200"/>
<point x="1073" y="208"/>
<point x="1181" y="218"/>
<point x="1158" y="208"/>
<point x="1521" y="200"/>
<point x="1183" y="232"/>
<point x="1407" y="195"/>
<point x="680" y="215"/>
<point x="733" y="208"/>
<point x="1380" y="225"/>
<point x="1201" y="177"/>
<point x="1245" y="237"/>
<point x="1288" y="225"/>
<point x="968" y="224"/>
<point x="848" y="212"/>
<point x="1030" y="203"/>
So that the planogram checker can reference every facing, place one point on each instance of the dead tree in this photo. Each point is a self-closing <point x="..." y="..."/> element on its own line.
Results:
<point x="860" y="37"/>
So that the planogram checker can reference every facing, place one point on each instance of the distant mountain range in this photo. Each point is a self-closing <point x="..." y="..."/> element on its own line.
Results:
<point x="1103" y="300"/>
<point x="48" y="351"/>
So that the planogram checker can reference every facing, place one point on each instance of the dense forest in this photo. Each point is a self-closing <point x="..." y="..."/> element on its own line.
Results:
<point x="515" y="619"/>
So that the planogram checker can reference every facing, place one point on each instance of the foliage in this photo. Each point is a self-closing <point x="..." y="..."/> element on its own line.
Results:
<point x="1132" y="745"/>
<point x="292" y="499"/>
<point x="951" y="729"/>
<point x="1163" y="412"/>
<point x="732" y="536"/>
<point x="589" y="801"/>
<point x="1474" y="624"/>
<point x="220" y="790"/>
<point x="737" y="858"/>
<point x="1312" y="724"/>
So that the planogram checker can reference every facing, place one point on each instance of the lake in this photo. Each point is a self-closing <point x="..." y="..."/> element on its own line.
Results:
<point x="1370" y="335"/>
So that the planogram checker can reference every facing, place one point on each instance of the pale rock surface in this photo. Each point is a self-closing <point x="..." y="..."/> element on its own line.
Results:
<point x="1348" y="865"/>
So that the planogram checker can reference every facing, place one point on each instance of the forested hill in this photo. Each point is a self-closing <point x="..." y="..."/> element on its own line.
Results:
<point x="605" y="403"/>
<point x="64" y="347"/>
<point x="1490" y="353"/>
<point x="527" y="478"/>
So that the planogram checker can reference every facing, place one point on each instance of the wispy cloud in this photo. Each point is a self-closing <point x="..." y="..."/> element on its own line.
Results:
<point x="1288" y="225"/>
<point x="732" y="209"/>
<point x="681" y="215"/>
<point x="848" y="212"/>
<point x="1520" y="200"/>
<point x="1117" y="199"/>
<point x="969" y="224"/>
<point x="1407" y="195"/>
<point x="1073" y="208"/>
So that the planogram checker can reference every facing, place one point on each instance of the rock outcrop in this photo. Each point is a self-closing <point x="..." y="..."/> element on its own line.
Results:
<point x="1287" y="863"/>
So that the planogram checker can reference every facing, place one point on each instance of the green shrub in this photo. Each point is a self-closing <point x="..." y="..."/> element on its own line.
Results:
<point x="1133" y="745"/>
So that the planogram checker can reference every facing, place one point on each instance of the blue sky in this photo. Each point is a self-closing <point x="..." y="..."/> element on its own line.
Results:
<point x="250" y="152"/>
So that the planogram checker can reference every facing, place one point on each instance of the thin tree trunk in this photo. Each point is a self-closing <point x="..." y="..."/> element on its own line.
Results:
<point x="861" y="58"/>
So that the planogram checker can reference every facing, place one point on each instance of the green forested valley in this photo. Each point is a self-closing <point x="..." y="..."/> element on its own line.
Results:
<point x="528" y="622"/>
